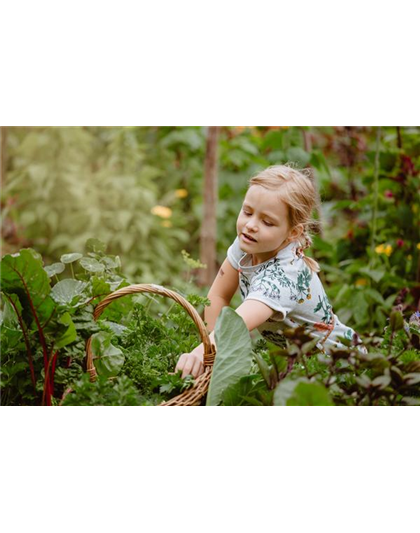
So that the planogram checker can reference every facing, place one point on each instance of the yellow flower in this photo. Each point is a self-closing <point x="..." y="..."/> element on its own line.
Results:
<point x="360" y="282"/>
<point x="409" y="257"/>
<point x="166" y="223"/>
<point x="415" y="208"/>
<point x="418" y="246"/>
<point x="181" y="193"/>
<point x="381" y="249"/>
<point x="161" y="211"/>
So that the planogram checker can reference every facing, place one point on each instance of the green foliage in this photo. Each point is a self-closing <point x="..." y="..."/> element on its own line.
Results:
<point x="301" y="392"/>
<point x="46" y="323"/>
<point x="70" y="184"/>
<point x="174" y="384"/>
<point x="66" y="184"/>
<point x="140" y="191"/>
<point x="388" y="374"/>
<point x="152" y="346"/>
<point x="120" y="391"/>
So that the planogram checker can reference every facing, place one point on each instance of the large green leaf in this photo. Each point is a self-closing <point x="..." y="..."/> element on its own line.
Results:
<point x="234" y="354"/>
<point x="23" y="274"/>
<point x="107" y="358"/>
<point x="66" y="291"/>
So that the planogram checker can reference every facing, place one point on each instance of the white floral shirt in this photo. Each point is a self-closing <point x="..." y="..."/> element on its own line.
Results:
<point x="288" y="286"/>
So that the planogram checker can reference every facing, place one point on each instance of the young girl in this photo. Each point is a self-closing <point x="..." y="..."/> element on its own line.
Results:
<point x="279" y="285"/>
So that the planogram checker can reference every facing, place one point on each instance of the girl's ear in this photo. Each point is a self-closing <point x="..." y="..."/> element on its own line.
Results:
<point x="296" y="233"/>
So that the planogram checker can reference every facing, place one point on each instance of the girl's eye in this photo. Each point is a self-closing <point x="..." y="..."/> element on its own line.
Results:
<point x="249" y="214"/>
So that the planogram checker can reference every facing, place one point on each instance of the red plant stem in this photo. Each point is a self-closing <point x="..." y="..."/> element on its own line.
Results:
<point x="47" y="392"/>
<point x="54" y="361"/>
<point x="40" y="330"/>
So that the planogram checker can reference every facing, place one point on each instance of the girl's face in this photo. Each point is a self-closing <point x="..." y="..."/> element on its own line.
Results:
<point x="262" y="224"/>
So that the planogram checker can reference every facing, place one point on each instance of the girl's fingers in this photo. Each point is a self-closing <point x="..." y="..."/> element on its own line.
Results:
<point x="189" y="364"/>
<point x="181" y="362"/>
<point x="197" y="368"/>
<point x="188" y="367"/>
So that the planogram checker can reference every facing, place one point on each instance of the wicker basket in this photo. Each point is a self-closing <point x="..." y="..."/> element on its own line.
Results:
<point x="193" y="395"/>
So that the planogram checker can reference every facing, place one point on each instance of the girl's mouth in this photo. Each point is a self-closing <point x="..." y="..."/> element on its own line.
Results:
<point x="247" y="238"/>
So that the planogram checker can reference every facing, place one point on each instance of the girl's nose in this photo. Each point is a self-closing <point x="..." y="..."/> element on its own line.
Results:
<point x="250" y="225"/>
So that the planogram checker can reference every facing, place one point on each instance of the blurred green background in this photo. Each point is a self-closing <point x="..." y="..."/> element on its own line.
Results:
<point x="140" y="190"/>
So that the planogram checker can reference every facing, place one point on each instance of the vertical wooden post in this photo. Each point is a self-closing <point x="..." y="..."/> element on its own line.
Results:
<point x="209" y="223"/>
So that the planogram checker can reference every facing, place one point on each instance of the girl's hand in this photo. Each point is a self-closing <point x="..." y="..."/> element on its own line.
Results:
<point x="191" y="363"/>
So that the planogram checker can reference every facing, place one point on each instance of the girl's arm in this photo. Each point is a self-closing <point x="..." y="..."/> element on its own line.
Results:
<point x="221" y="293"/>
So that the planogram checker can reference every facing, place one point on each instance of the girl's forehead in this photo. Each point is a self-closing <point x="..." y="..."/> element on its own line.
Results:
<point x="260" y="197"/>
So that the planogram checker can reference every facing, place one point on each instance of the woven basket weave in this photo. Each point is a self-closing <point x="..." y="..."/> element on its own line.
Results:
<point x="193" y="395"/>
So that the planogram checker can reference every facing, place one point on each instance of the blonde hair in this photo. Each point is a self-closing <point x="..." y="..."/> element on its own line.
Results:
<point x="297" y="191"/>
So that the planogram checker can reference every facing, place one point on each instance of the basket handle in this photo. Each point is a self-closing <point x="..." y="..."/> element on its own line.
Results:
<point x="209" y="349"/>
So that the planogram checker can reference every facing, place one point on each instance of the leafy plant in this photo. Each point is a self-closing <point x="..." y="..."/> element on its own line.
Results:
<point x="46" y="322"/>
<point x="388" y="374"/>
<point x="119" y="391"/>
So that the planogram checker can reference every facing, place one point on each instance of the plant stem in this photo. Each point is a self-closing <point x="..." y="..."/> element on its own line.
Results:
<point x="72" y="271"/>
<point x="149" y="303"/>
<point x="27" y="343"/>
<point x="375" y="210"/>
<point x="375" y="194"/>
